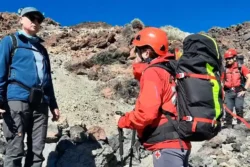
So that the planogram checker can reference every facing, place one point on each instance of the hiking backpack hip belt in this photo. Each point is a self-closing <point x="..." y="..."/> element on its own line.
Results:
<point x="166" y="131"/>
<point x="36" y="94"/>
<point x="235" y="89"/>
<point x="169" y="130"/>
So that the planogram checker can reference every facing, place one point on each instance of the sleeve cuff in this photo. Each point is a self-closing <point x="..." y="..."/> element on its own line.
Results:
<point x="121" y="122"/>
<point x="53" y="106"/>
<point x="124" y="122"/>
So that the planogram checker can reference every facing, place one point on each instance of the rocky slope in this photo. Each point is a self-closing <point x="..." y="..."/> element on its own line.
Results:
<point x="91" y="71"/>
<point x="235" y="36"/>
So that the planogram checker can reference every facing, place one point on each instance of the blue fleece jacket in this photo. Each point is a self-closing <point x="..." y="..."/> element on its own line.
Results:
<point x="34" y="40"/>
<point x="24" y="69"/>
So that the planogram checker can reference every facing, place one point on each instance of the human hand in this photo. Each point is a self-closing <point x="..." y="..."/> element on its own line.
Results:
<point x="117" y="118"/>
<point x="56" y="114"/>
<point x="2" y="111"/>
<point x="118" y="115"/>
<point x="241" y="93"/>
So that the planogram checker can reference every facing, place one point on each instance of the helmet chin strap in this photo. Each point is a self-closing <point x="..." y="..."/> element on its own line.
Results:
<point x="148" y="60"/>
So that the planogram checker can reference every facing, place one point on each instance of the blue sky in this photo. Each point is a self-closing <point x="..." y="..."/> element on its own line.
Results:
<point x="188" y="15"/>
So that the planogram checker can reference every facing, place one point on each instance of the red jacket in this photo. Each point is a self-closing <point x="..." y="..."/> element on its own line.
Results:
<point x="233" y="77"/>
<point x="156" y="91"/>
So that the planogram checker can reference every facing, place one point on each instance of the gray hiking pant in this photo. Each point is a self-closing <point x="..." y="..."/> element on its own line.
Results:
<point x="171" y="158"/>
<point x="231" y="101"/>
<point x="20" y="118"/>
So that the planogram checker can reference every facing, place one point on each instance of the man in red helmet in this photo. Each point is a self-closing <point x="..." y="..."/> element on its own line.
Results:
<point x="235" y="85"/>
<point x="157" y="91"/>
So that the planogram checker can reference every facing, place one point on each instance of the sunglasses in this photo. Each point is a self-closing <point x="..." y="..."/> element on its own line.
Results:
<point x="33" y="18"/>
<point x="229" y="58"/>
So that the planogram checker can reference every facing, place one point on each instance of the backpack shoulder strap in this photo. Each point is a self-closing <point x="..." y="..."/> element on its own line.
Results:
<point x="14" y="45"/>
<point x="169" y="66"/>
<point x="226" y="71"/>
<point x="13" y="49"/>
<point x="242" y="77"/>
<point x="46" y="54"/>
<point x="161" y="65"/>
<point x="240" y="69"/>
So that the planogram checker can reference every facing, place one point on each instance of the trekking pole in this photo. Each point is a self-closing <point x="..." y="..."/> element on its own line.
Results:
<point x="131" y="148"/>
<point x="121" y="139"/>
<point x="121" y="144"/>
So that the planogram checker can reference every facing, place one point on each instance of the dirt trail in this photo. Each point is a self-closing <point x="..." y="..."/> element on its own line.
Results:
<point x="79" y="100"/>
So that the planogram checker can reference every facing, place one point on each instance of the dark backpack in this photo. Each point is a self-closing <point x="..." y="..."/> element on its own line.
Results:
<point x="199" y="89"/>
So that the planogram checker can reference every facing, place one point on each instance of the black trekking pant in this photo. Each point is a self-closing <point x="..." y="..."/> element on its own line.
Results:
<point x="231" y="101"/>
<point x="20" y="119"/>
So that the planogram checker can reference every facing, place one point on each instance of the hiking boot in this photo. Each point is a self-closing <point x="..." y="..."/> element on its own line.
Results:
<point x="235" y="122"/>
<point x="227" y="126"/>
<point x="239" y="122"/>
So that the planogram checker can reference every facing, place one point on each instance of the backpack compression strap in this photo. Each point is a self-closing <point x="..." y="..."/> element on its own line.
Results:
<point x="200" y="76"/>
<point x="196" y="120"/>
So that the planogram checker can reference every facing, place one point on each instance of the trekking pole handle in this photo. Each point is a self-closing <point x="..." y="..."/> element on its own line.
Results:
<point x="119" y="113"/>
<point x="121" y="138"/>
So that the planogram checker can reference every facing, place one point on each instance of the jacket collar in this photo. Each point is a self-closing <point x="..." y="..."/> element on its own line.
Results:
<point x="159" y="60"/>
<point x="23" y="36"/>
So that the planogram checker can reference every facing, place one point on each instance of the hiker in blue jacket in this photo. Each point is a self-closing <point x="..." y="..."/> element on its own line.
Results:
<point x="26" y="91"/>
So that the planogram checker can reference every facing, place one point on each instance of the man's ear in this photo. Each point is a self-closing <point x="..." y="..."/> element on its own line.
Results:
<point x="21" y="20"/>
<point x="149" y="53"/>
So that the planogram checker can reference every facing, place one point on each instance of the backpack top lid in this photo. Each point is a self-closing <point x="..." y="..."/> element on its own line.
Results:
<point x="202" y="44"/>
